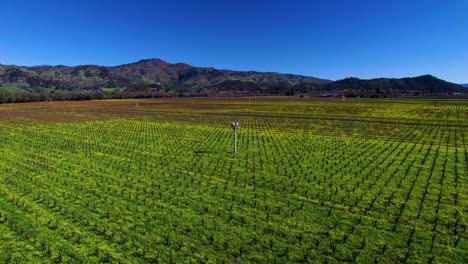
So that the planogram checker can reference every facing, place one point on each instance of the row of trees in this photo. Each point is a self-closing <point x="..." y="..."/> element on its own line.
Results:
<point x="79" y="95"/>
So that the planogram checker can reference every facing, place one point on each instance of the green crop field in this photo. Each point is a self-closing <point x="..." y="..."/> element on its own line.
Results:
<point x="314" y="181"/>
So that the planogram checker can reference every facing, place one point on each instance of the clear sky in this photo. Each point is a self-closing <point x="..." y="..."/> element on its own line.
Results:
<point x="330" y="39"/>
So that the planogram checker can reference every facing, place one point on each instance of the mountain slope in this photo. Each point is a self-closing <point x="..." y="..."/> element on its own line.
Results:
<point x="464" y="85"/>
<point x="160" y="76"/>
<point x="425" y="83"/>
<point x="141" y="75"/>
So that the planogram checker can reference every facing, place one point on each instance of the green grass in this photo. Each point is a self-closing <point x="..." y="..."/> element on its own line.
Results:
<point x="110" y="89"/>
<point x="314" y="181"/>
<point x="11" y="89"/>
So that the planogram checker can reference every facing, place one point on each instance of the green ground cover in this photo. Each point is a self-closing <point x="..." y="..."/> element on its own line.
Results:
<point x="10" y="89"/>
<point x="111" y="89"/>
<point x="315" y="180"/>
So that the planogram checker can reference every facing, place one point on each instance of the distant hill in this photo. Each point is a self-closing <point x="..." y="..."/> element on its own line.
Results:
<point x="464" y="85"/>
<point x="151" y="74"/>
<point x="155" y="77"/>
<point x="424" y="83"/>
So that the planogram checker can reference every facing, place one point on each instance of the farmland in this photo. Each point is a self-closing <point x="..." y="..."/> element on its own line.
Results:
<point x="314" y="180"/>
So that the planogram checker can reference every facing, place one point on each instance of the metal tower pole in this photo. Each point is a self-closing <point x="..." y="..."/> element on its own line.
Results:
<point x="235" y="140"/>
<point x="234" y="127"/>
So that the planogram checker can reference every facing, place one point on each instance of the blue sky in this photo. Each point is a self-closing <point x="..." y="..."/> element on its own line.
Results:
<point x="328" y="39"/>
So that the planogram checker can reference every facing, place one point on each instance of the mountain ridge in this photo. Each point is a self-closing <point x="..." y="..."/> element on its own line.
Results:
<point x="425" y="82"/>
<point x="159" y="76"/>
<point x="136" y="75"/>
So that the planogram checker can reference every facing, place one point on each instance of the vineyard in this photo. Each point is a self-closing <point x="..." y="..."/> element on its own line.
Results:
<point x="156" y="181"/>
